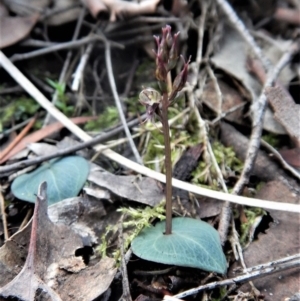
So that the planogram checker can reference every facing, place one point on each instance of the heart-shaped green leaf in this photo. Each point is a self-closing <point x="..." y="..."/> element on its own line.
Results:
<point x="65" y="177"/>
<point x="193" y="243"/>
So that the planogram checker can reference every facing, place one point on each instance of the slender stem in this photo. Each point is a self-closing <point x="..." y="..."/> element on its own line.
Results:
<point x="168" y="163"/>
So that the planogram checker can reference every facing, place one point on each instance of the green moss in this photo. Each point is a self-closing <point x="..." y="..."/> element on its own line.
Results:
<point x="221" y="292"/>
<point x="227" y="161"/>
<point x="133" y="106"/>
<point x="17" y="110"/>
<point x="272" y="139"/>
<point x="108" y="118"/>
<point x="180" y="140"/>
<point x="135" y="220"/>
<point x="251" y="213"/>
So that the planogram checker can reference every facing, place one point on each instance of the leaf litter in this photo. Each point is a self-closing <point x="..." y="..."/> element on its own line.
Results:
<point x="238" y="87"/>
<point x="51" y="250"/>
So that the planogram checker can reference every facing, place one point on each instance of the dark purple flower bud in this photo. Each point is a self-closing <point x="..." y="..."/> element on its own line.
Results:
<point x="156" y="38"/>
<point x="173" y="54"/>
<point x="169" y="38"/>
<point x="179" y="81"/>
<point x="181" y="78"/>
<point x="163" y="49"/>
<point x="161" y="71"/>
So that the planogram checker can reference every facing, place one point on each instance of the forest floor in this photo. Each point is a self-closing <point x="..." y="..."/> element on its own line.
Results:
<point x="75" y="79"/>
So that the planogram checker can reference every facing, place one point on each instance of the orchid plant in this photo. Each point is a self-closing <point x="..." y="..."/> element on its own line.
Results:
<point x="158" y="102"/>
<point x="180" y="241"/>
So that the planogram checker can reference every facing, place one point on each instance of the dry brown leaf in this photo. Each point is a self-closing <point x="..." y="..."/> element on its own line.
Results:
<point x="27" y="7"/>
<point x="179" y="8"/>
<point x="236" y="65"/>
<point x="143" y="190"/>
<point x="48" y="244"/>
<point x="231" y="98"/>
<point x="120" y="8"/>
<point x="69" y="10"/>
<point x="280" y="240"/>
<point x="90" y="283"/>
<point x="51" y="264"/>
<point x="22" y="26"/>
<point x="264" y="168"/>
<point x="82" y="214"/>
<point x="41" y="134"/>
<point x="285" y="111"/>
<point x="287" y="15"/>
<point x="42" y="149"/>
<point x="65" y="10"/>
<point x="291" y="156"/>
<point x="95" y="7"/>
<point x="3" y="10"/>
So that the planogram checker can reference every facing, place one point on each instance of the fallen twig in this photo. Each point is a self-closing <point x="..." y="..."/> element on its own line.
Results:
<point x="278" y="157"/>
<point x="287" y="15"/>
<point x="18" y="138"/>
<point x="62" y="77"/>
<point x="3" y="215"/>
<point x="118" y="102"/>
<point x="263" y="270"/>
<point x="60" y="46"/>
<point x="126" y="296"/>
<point x="96" y="140"/>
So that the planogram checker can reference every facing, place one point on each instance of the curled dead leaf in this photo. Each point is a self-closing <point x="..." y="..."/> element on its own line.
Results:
<point x="285" y="111"/>
<point x="51" y="264"/>
<point x="121" y="9"/>
<point x="21" y="25"/>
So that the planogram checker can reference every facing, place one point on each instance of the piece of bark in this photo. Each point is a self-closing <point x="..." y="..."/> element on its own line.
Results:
<point x="285" y="111"/>
<point x="291" y="156"/>
<point x="181" y="199"/>
<point x="184" y="167"/>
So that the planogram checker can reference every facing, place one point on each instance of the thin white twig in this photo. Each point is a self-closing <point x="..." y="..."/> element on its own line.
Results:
<point x="62" y="77"/>
<point x="80" y="68"/>
<point x="3" y="214"/>
<point x="272" y="263"/>
<point x="216" y="166"/>
<point x="118" y="102"/>
<point x="278" y="156"/>
<point x="46" y="104"/>
<point x="268" y="269"/>
<point x="126" y="296"/>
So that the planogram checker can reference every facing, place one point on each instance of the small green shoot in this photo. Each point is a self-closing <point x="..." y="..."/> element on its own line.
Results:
<point x="62" y="99"/>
